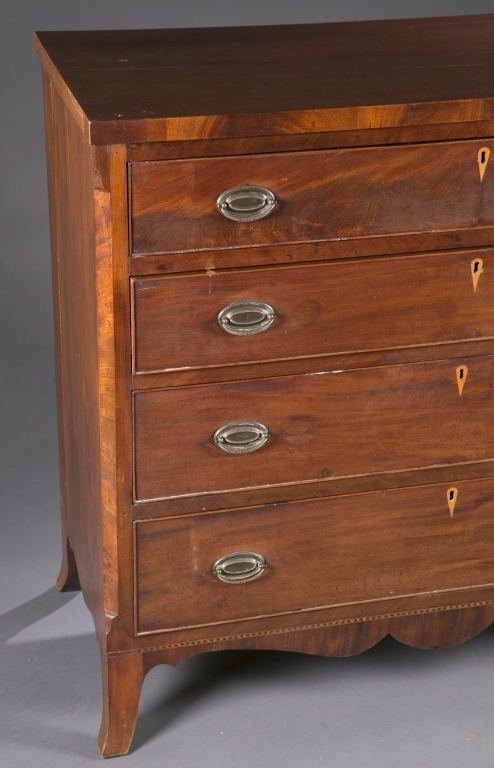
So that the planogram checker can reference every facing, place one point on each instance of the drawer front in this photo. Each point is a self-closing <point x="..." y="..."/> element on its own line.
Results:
<point x="319" y="310"/>
<point x="320" y="553"/>
<point x="323" y="425"/>
<point x="325" y="195"/>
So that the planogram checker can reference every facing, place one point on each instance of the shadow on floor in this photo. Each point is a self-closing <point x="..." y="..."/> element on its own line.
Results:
<point x="52" y="688"/>
<point x="27" y="614"/>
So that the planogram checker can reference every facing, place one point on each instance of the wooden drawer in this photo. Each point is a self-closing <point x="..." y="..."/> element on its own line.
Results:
<point x="371" y="546"/>
<point x="325" y="195"/>
<point x="324" y="425"/>
<point x="320" y="310"/>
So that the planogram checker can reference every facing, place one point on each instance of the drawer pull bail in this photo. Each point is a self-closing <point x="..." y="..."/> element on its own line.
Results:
<point x="246" y="318"/>
<point x="241" y="436"/>
<point x="239" y="567"/>
<point x="247" y="203"/>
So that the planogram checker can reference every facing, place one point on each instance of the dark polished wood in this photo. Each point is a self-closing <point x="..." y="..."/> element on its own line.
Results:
<point x="303" y="365"/>
<point x="156" y="85"/>
<point x="320" y="310"/>
<point x="71" y="182"/>
<point x="372" y="499"/>
<point x="283" y="629"/>
<point x="85" y="238"/>
<point x="123" y="676"/>
<point x="417" y="625"/>
<point x="318" y="553"/>
<point x="332" y="195"/>
<point x="331" y="486"/>
<point x="269" y="255"/>
<point x="330" y="424"/>
<point x="365" y="137"/>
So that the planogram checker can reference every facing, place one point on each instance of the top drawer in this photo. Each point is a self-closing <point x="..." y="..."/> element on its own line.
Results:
<point x="326" y="195"/>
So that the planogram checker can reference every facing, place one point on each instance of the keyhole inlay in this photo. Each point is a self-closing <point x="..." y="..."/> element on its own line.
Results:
<point x="483" y="159"/>
<point x="452" y="496"/>
<point x="461" y="377"/>
<point x="477" y="267"/>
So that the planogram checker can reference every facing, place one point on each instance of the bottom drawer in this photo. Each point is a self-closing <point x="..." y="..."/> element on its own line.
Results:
<point x="316" y="554"/>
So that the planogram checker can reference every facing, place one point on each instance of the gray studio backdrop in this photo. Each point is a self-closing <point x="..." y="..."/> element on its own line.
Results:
<point x="393" y="707"/>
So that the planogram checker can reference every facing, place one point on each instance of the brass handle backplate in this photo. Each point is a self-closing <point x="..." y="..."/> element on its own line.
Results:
<point x="241" y="436"/>
<point x="246" y="318"/>
<point x="247" y="203"/>
<point x="239" y="567"/>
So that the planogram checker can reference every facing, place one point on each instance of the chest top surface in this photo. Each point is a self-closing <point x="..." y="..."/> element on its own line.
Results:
<point x="167" y="84"/>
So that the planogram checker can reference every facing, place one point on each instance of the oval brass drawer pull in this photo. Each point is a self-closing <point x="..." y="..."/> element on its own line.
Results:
<point x="241" y="436"/>
<point x="246" y="318"/>
<point x="239" y="567"/>
<point x="247" y="203"/>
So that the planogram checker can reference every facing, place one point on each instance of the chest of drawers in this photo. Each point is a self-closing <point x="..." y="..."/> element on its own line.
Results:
<point x="273" y="261"/>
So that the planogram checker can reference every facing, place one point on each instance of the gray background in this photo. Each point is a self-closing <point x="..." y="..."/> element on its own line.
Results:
<point x="392" y="707"/>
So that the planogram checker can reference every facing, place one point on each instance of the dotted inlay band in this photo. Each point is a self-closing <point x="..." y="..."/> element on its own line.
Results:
<point x="320" y="625"/>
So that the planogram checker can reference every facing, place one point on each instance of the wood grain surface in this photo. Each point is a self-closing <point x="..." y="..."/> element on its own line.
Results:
<point x="299" y="142"/>
<point x="331" y="486"/>
<point x="320" y="310"/>
<point x="85" y="235"/>
<point x="419" y="625"/>
<point x="315" y="251"/>
<point x="123" y="676"/>
<point x="327" y="195"/>
<point x="71" y="189"/>
<point x="155" y="85"/>
<point x="331" y="424"/>
<point x="282" y="628"/>
<point x="303" y="365"/>
<point x="318" y="553"/>
<point x="373" y="498"/>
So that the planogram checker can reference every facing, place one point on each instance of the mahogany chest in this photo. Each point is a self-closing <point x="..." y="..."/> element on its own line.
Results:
<point x="273" y="265"/>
